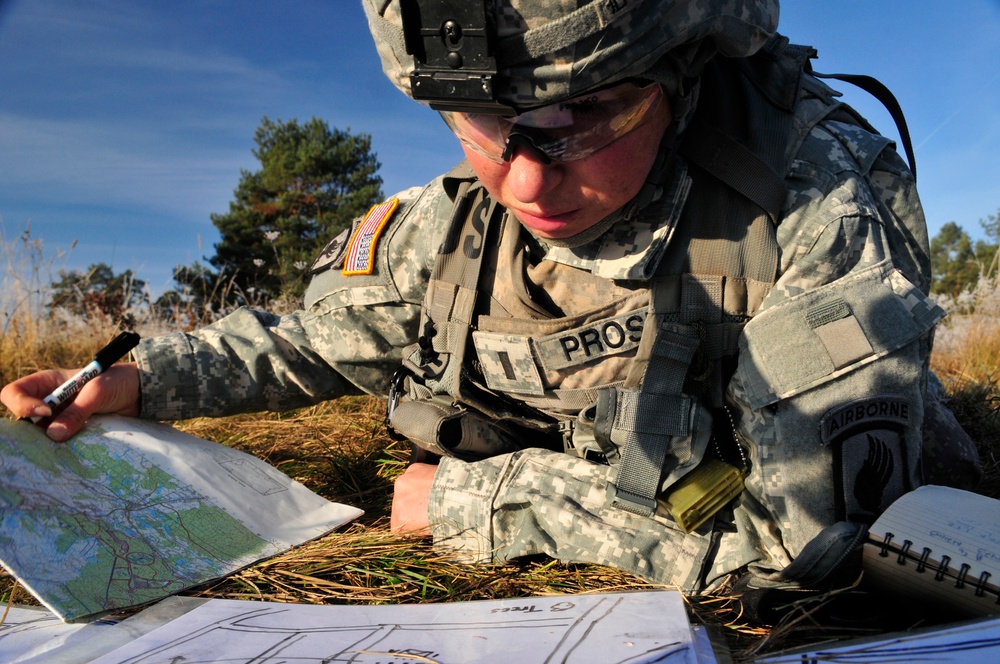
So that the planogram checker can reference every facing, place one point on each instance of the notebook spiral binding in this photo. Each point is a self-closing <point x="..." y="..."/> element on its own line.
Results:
<point x="942" y="568"/>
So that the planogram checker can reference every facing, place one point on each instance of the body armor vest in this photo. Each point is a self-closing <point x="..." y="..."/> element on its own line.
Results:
<point x="617" y="351"/>
<point x="620" y="351"/>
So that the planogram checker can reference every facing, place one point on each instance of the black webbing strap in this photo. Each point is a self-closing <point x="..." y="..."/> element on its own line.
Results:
<point x="877" y="89"/>
<point x="644" y="421"/>
<point x="736" y="165"/>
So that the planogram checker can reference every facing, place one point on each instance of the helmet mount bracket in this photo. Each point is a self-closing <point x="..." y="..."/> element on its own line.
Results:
<point x="452" y="45"/>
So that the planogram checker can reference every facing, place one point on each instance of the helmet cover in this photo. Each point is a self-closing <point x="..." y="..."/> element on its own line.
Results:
<point x="551" y="50"/>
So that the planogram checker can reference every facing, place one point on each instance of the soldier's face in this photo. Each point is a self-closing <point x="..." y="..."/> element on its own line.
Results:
<point x="561" y="199"/>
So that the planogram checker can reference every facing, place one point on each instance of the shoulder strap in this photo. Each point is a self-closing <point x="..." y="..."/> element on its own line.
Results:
<point x="735" y="165"/>
<point x="744" y="120"/>
<point x="753" y="164"/>
<point x="877" y="89"/>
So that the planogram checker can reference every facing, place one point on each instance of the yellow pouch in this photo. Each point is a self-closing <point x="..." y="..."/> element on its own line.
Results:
<point x="701" y="493"/>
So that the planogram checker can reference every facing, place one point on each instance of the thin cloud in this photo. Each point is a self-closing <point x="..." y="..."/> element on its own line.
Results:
<point x="969" y="101"/>
<point x="90" y="162"/>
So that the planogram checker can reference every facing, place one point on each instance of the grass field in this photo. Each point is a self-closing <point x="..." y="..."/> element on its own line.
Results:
<point x="340" y="450"/>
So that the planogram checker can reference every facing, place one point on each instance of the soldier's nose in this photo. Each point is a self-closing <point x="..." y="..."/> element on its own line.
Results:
<point x="532" y="174"/>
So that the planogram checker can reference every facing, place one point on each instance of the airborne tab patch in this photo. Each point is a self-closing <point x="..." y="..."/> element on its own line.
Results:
<point x="868" y="438"/>
<point x="360" y="257"/>
<point x="868" y="413"/>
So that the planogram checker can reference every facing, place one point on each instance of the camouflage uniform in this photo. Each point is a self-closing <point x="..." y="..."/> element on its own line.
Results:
<point x="351" y="335"/>
<point x="829" y="418"/>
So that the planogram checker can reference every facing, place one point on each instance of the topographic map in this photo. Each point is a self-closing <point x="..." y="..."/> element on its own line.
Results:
<point x="128" y="512"/>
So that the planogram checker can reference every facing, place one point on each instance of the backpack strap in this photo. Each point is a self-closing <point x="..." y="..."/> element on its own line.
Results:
<point x="877" y="89"/>
<point x="735" y="165"/>
<point x="750" y="160"/>
<point x="756" y="170"/>
<point x="645" y="422"/>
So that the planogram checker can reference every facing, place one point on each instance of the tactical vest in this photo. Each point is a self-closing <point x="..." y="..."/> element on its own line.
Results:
<point x="621" y="351"/>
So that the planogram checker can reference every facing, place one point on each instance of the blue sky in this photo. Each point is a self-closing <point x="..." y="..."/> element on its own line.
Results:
<point x="124" y="125"/>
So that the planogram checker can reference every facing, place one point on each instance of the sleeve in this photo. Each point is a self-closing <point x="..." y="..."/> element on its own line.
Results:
<point x="347" y="340"/>
<point x="833" y="368"/>
<point x="539" y="501"/>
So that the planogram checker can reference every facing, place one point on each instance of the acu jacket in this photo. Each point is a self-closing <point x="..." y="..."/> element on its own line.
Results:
<point x="764" y="305"/>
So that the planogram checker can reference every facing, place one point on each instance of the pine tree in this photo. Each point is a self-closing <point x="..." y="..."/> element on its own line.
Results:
<point x="953" y="261"/>
<point x="312" y="183"/>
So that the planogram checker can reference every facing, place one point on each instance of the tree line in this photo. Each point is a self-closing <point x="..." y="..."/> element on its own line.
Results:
<point x="313" y="181"/>
<point x="959" y="265"/>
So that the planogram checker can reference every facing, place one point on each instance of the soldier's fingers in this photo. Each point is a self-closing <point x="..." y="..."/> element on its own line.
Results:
<point x="66" y="423"/>
<point x="411" y="494"/>
<point x="114" y="391"/>
<point x="24" y="396"/>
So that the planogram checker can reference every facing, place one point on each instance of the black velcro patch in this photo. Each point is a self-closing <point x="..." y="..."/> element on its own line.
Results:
<point x="332" y="256"/>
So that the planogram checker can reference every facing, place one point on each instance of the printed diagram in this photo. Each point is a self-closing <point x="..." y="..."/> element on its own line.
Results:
<point x="625" y="628"/>
<point x="972" y="641"/>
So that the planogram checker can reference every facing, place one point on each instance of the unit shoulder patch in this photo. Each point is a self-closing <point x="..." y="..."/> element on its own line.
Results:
<point x="359" y="255"/>
<point x="867" y="437"/>
<point x="332" y="256"/>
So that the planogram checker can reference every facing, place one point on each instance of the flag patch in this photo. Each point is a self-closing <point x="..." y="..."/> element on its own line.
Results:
<point x="361" y="250"/>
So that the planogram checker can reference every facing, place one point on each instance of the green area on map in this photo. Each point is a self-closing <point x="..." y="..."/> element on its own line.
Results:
<point x="92" y="526"/>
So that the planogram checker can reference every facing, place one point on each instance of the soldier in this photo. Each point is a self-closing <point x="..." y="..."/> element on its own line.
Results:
<point x="670" y="314"/>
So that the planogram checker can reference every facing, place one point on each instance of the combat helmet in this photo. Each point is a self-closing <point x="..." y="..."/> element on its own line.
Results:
<point x="508" y="56"/>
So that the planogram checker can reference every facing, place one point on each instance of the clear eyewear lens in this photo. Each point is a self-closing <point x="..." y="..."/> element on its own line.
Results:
<point x="566" y="131"/>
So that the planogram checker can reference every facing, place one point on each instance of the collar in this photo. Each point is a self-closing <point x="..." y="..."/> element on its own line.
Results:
<point x="632" y="248"/>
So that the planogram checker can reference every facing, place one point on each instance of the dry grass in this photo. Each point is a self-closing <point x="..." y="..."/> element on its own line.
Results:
<point x="967" y="359"/>
<point x="340" y="451"/>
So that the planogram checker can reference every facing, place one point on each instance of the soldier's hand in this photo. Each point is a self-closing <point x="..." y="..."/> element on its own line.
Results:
<point x="411" y="494"/>
<point x="115" y="391"/>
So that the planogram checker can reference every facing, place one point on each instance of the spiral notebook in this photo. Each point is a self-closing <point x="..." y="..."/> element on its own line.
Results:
<point x="939" y="545"/>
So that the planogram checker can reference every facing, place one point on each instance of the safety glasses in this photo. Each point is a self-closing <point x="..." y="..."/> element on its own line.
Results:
<point x="565" y="131"/>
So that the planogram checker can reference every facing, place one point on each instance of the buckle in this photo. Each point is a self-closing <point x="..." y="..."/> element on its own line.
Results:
<point x="595" y="456"/>
<point x="396" y="390"/>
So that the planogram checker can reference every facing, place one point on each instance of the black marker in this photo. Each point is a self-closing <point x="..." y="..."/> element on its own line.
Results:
<point x="105" y="357"/>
